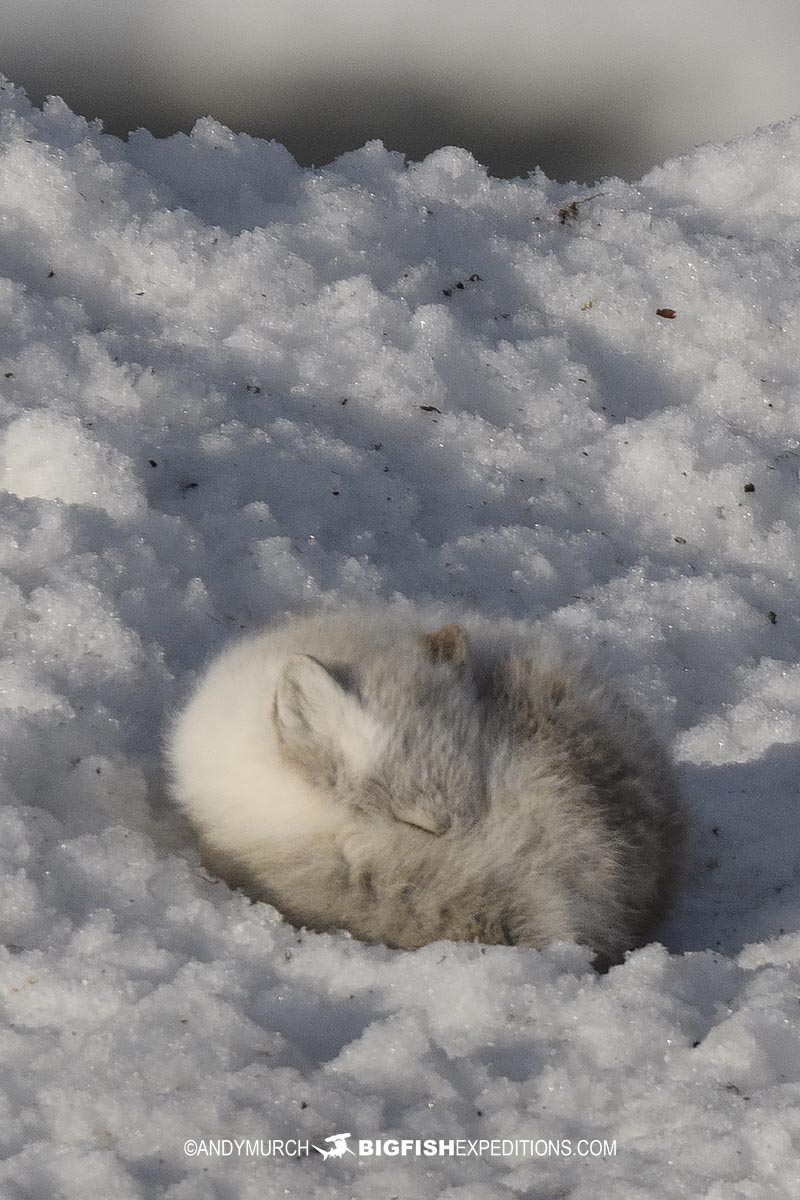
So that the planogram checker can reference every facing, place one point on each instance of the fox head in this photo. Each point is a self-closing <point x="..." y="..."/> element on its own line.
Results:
<point x="397" y="738"/>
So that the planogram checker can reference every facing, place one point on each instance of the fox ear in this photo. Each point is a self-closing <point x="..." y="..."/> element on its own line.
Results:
<point x="309" y="703"/>
<point x="313" y="713"/>
<point x="448" y="644"/>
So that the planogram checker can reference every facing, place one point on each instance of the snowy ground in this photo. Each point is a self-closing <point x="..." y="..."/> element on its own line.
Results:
<point x="230" y="388"/>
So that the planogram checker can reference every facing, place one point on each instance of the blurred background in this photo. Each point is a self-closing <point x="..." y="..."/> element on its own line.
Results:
<point x="582" y="88"/>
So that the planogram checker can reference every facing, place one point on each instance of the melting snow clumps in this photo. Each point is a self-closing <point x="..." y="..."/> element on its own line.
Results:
<point x="231" y="389"/>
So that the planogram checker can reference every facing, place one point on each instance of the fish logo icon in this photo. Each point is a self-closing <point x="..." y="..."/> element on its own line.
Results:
<point x="339" y="1147"/>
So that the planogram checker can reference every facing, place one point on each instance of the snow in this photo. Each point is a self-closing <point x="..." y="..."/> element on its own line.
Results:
<point x="232" y="388"/>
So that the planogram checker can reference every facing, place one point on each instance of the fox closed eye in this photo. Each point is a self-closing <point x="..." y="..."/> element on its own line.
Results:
<point x="407" y="809"/>
<point x="424" y="821"/>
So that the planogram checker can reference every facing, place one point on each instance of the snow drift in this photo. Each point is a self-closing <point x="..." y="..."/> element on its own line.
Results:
<point x="230" y="388"/>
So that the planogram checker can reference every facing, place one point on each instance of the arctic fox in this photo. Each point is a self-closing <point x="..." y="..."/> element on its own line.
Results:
<point x="468" y="783"/>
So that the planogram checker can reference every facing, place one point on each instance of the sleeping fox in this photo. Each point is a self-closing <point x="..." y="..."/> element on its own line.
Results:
<point x="469" y="783"/>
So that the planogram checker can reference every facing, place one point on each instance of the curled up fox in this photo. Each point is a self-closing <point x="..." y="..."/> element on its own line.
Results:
<point x="472" y="783"/>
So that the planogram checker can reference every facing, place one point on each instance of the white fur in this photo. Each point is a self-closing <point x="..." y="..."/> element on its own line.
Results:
<point x="310" y="706"/>
<point x="359" y="774"/>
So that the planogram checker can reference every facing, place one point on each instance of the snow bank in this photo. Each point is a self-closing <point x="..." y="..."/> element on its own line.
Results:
<point x="229" y="388"/>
